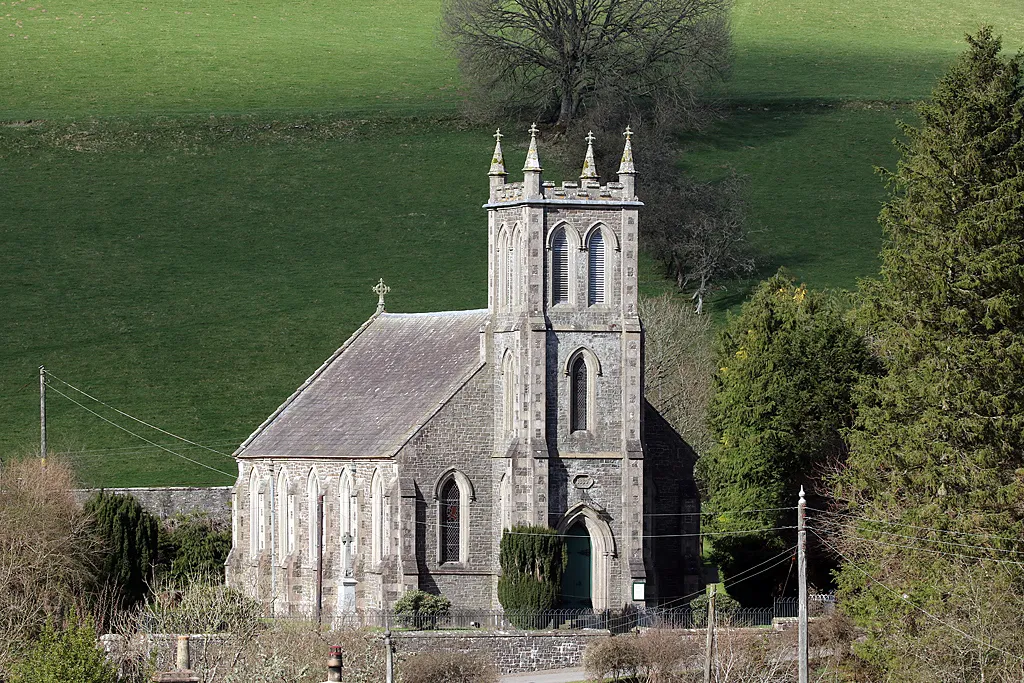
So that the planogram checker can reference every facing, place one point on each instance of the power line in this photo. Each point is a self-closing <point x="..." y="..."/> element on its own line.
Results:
<point x="937" y="552"/>
<point x="927" y="540"/>
<point x="922" y="528"/>
<point x="906" y="599"/>
<point x="124" y="429"/>
<point x="131" y="417"/>
<point x="726" y="512"/>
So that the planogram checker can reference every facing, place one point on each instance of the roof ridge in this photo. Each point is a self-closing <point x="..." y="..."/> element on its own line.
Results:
<point x="309" y="380"/>
<point x="467" y="311"/>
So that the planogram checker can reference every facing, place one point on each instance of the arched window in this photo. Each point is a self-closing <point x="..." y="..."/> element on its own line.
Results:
<point x="450" y="519"/>
<point x="285" y="516"/>
<point x="559" y="267"/>
<point x="510" y="270"/>
<point x="500" y="268"/>
<point x="256" y="516"/>
<point x="578" y="394"/>
<point x="377" y="545"/>
<point x="596" y="269"/>
<point x="315" y="511"/>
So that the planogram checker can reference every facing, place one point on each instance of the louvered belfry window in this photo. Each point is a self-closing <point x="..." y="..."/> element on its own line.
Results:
<point x="578" y="395"/>
<point x="595" y="292"/>
<point x="450" y="522"/>
<point x="559" y="268"/>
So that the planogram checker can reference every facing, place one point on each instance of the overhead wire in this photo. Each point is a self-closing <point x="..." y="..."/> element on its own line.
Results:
<point x="903" y="597"/>
<point x="926" y="540"/>
<point x="914" y="526"/>
<point x="47" y="373"/>
<point x="138" y="436"/>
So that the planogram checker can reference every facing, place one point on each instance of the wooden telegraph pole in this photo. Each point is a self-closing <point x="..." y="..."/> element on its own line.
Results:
<point x="709" y="647"/>
<point x="801" y="562"/>
<point x="42" y="414"/>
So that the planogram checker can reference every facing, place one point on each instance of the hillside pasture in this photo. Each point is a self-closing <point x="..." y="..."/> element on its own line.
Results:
<point x="197" y="197"/>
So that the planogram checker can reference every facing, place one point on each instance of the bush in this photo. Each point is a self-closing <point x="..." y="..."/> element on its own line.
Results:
<point x="447" y="667"/>
<point x="193" y="548"/>
<point x="418" y="609"/>
<point x="614" y="657"/>
<point x="532" y="559"/>
<point x="724" y="605"/>
<point x="68" y="655"/>
<point x="130" y="536"/>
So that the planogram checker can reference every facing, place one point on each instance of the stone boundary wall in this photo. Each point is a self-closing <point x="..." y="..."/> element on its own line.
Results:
<point x="167" y="501"/>
<point x="511" y="651"/>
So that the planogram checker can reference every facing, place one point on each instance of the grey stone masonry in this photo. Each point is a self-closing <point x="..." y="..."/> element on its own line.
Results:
<point x="168" y="501"/>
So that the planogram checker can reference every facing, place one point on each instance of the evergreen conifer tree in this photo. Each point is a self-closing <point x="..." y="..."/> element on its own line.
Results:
<point x="939" y="437"/>
<point x="532" y="559"/>
<point x="783" y="394"/>
<point x="130" y="536"/>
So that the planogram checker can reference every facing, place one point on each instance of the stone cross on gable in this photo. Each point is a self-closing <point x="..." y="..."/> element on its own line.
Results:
<point x="590" y="138"/>
<point x="380" y="289"/>
<point x="497" y="135"/>
<point x="533" y="130"/>
<point x="628" y="133"/>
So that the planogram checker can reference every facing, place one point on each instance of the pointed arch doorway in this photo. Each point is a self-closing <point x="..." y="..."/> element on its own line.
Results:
<point x="576" y="577"/>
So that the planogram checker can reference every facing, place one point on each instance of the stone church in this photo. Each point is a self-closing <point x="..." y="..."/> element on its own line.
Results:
<point x="400" y="461"/>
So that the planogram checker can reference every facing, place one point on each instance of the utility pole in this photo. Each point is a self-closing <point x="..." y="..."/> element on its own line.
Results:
<point x="389" y="656"/>
<point x="709" y="647"/>
<point x="42" y="414"/>
<point x="801" y="563"/>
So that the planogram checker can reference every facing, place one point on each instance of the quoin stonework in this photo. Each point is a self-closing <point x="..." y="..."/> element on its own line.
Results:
<point x="398" y="464"/>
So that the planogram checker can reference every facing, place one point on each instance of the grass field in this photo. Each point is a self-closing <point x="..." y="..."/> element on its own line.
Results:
<point x="205" y="193"/>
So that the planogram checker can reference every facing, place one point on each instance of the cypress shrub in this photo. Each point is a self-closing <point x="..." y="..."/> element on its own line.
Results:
<point x="130" y="537"/>
<point x="532" y="559"/>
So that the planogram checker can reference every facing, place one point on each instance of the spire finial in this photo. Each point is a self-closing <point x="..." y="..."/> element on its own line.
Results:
<point x="626" y="165"/>
<point x="589" y="167"/>
<point x="497" y="160"/>
<point x="380" y="289"/>
<point x="532" y="160"/>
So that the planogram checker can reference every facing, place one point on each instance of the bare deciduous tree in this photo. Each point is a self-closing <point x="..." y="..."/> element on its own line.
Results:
<point x="678" y="366"/>
<point x="47" y="552"/>
<point x="557" y="56"/>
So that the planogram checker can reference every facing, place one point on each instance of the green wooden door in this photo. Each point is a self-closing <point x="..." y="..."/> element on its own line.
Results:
<point x="576" y="577"/>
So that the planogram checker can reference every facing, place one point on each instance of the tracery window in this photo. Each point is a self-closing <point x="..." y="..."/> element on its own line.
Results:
<point x="578" y="394"/>
<point x="559" y="267"/>
<point x="450" y="521"/>
<point x="596" y="269"/>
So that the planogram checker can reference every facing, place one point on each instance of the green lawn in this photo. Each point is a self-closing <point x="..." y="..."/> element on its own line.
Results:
<point x="194" y="218"/>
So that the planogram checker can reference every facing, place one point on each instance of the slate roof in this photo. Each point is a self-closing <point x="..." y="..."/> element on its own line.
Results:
<point x="377" y="390"/>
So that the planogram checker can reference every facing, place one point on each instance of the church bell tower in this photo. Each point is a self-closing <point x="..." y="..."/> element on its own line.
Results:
<point x="564" y="341"/>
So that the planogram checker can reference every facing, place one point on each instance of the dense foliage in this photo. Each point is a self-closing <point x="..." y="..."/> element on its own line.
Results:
<point x="783" y="394"/>
<point x="419" y="609"/>
<point x="191" y="547"/>
<point x="69" y="655"/>
<point x="937" y="453"/>
<point x="532" y="559"/>
<point x="130" y="537"/>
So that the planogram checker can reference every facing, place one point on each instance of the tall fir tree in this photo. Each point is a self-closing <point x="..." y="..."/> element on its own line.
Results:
<point x="937" y="452"/>
<point x="783" y="394"/>
<point x="130" y="536"/>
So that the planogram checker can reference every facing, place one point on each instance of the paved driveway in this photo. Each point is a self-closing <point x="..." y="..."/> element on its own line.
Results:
<point x="549" y="676"/>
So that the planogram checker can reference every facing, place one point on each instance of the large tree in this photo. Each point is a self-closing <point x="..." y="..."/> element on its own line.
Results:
<point x="554" y="57"/>
<point x="783" y="395"/>
<point x="937" y="454"/>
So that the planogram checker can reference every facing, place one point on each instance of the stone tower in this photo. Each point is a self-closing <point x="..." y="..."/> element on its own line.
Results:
<point x="564" y="341"/>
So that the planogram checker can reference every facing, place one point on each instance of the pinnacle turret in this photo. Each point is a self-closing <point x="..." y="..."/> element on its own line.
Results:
<point x="626" y="165"/>
<point x="497" y="160"/>
<point x="589" y="171"/>
<point x="532" y="160"/>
